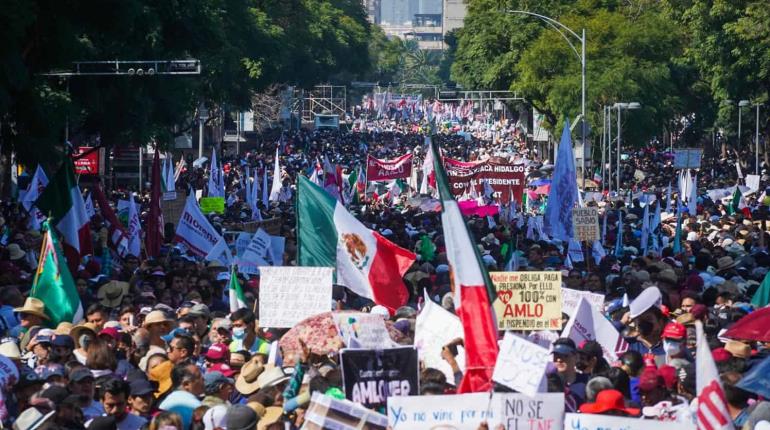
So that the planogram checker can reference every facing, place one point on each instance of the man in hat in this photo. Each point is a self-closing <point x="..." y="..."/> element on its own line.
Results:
<point x="648" y="322"/>
<point x="10" y="298"/>
<point x="32" y="313"/>
<point x="591" y="359"/>
<point x="158" y="325"/>
<point x="40" y="348"/>
<point x="82" y="384"/>
<point x="674" y="337"/>
<point x="565" y="360"/>
<point x="202" y="315"/>
<point x="658" y="401"/>
<point x="141" y="399"/>
<point x="218" y="388"/>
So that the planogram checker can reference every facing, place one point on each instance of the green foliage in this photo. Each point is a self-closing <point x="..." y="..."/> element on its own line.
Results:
<point x="243" y="45"/>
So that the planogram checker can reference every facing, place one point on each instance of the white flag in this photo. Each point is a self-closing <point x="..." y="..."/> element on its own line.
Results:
<point x="275" y="190"/>
<point x="195" y="231"/>
<point x="712" y="406"/>
<point x="36" y="186"/>
<point x="90" y="211"/>
<point x="134" y="228"/>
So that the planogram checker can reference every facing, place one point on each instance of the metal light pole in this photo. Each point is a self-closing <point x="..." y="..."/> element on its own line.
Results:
<point x="558" y="26"/>
<point x="741" y="104"/>
<point x="619" y="107"/>
<point x="756" y="143"/>
<point x="609" y="148"/>
<point x="203" y="115"/>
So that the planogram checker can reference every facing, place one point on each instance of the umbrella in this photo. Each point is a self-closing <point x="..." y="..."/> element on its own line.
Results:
<point x="753" y="326"/>
<point x="546" y="167"/>
<point x="320" y="335"/>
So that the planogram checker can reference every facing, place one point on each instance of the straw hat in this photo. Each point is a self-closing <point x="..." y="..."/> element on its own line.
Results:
<point x="15" y="252"/>
<point x="726" y="262"/>
<point x="33" y="306"/>
<point x="248" y="380"/>
<point x="32" y="419"/>
<point x="111" y="294"/>
<point x="155" y="317"/>
<point x="79" y="330"/>
<point x="272" y="415"/>
<point x="63" y="328"/>
<point x="273" y="375"/>
<point x="11" y="350"/>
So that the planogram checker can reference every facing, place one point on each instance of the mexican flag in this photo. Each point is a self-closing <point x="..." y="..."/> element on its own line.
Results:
<point x="329" y="236"/>
<point x="54" y="285"/>
<point x="237" y="299"/>
<point x="738" y="203"/>
<point x="62" y="201"/>
<point x="473" y="290"/>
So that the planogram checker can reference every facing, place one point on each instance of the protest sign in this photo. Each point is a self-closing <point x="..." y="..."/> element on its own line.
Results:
<point x="326" y="412"/>
<point x="527" y="300"/>
<point x="585" y="222"/>
<point x="212" y="204"/>
<point x="543" y="338"/>
<point x="277" y="247"/>
<point x="196" y="232"/>
<point x="752" y="181"/>
<point x="360" y="330"/>
<point x="466" y="411"/>
<point x="607" y="422"/>
<point x="387" y="170"/>
<point x="242" y="242"/>
<point x="688" y="158"/>
<point x="255" y="254"/>
<point x="521" y="365"/>
<point x="434" y="328"/>
<point x="502" y="176"/>
<point x="570" y="299"/>
<point x="370" y="377"/>
<point x="587" y="323"/>
<point x="288" y="295"/>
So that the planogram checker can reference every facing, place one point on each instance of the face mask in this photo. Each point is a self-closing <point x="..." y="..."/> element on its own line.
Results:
<point x="672" y="348"/>
<point x="239" y="332"/>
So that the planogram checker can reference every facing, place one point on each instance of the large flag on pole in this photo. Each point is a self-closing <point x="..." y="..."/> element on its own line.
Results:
<point x="36" y="187"/>
<point x="134" y="229"/>
<point x="53" y="284"/>
<point x="428" y="172"/>
<point x="275" y="190"/>
<point x="473" y="290"/>
<point x="118" y="238"/>
<point x="62" y="201"/>
<point x="563" y="194"/>
<point x="712" y="405"/>
<point x="366" y="262"/>
<point x="154" y="235"/>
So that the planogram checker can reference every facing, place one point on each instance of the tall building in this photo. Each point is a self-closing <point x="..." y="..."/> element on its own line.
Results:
<point x="454" y="15"/>
<point x="373" y="9"/>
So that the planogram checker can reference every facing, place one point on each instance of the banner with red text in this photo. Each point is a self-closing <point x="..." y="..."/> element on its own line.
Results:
<point x="386" y="170"/>
<point x="502" y="176"/>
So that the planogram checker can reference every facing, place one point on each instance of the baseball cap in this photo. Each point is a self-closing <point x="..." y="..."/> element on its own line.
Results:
<point x="111" y="332"/>
<point x="563" y="346"/>
<point x="674" y="330"/>
<point x="80" y="374"/>
<point x="170" y="336"/>
<point x="590" y="348"/>
<point x="651" y="379"/>
<point x="200" y="310"/>
<point x="141" y="387"/>
<point x="214" y="380"/>
<point x="28" y="378"/>
<point x="241" y="417"/>
<point x="63" y="340"/>
<point x="218" y="352"/>
<point x="222" y="368"/>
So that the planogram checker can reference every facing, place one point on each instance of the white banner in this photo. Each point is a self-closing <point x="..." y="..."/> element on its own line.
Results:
<point x="607" y="422"/>
<point x="588" y="323"/>
<point x="195" y="231"/>
<point x="255" y="254"/>
<point x="570" y="299"/>
<point x="134" y="229"/>
<point x="434" y="328"/>
<point x="521" y="365"/>
<point x="288" y="295"/>
<point x="467" y="411"/>
<point x="360" y="330"/>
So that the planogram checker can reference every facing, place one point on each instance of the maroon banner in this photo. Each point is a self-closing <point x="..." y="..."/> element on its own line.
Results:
<point x="386" y="170"/>
<point x="90" y="164"/>
<point x="502" y="176"/>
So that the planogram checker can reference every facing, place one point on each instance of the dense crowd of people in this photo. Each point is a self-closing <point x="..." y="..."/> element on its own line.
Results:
<point x="159" y="348"/>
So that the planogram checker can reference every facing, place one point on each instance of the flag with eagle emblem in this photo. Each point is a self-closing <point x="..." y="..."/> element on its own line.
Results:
<point x="54" y="285"/>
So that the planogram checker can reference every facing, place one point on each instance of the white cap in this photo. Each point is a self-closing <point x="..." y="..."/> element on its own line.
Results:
<point x="648" y="298"/>
<point x="215" y="417"/>
<point x="381" y="311"/>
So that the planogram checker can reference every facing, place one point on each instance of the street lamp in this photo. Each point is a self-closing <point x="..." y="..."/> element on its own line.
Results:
<point x="203" y="115"/>
<point x="558" y="26"/>
<point x="621" y="106"/>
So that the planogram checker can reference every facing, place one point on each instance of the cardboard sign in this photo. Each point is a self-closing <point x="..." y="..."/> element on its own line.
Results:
<point x="502" y="176"/>
<point x="687" y="158"/>
<point x="752" y="181"/>
<point x="89" y="164"/>
<point x="570" y="299"/>
<point x="242" y="242"/>
<point x="370" y="377"/>
<point x="212" y="204"/>
<point x="587" y="323"/>
<point x="607" y="422"/>
<point x="527" y="300"/>
<point x="326" y="412"/>
<point x="255" y="254"/>
<point x="466" y="411"/>
<point x="360" y="330"/>
<point x="288" y="295"/>
<point x="387" y="170"/>
<point x="521" y="365"/>
<point x="434" y="328"/>
<point x="585" y="223"/>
